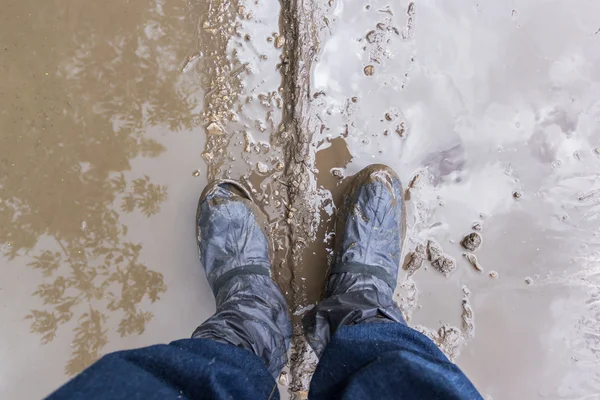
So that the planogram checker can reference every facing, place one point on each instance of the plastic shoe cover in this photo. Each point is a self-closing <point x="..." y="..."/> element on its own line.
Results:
<point x="370" y="231"/>
<point x="236" y="253"/>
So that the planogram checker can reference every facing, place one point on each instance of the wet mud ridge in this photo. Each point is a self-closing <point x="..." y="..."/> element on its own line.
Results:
<point x="275" y="145"/>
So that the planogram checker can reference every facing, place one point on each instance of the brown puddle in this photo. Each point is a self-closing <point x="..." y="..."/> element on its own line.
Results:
<point x="111" y="111"/>
<point x="94" y="112"/>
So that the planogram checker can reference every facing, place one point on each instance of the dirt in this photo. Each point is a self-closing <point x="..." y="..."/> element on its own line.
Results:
<point x="472" y="259"/>
<point x="472" y="241"/>
<point x="439" y="260"/>
<point x="115" y="115"/>
<point x="415" y="259"/>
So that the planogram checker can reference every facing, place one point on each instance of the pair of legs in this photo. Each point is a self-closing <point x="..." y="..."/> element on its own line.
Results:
<point x="366" y="349"/>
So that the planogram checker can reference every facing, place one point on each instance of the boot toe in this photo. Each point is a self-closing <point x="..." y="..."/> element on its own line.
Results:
<point x="231" y="231"/>
<point x="372" y="220"/>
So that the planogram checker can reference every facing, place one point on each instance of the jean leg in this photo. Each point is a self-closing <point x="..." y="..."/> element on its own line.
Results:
<point x="387" y="361"/>
<point x="184" y="369"/>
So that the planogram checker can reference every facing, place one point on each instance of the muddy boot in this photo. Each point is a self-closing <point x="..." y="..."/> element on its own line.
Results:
<point x="236" y="253"/>
<point x="370" y="231"/>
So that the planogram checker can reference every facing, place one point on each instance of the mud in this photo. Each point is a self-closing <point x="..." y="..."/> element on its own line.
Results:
<point x="415" y="259"/>
<point x="472" y="259"/>
<point x="439" y="260"/>
<point x="115" y="115"/>
<point x="472" y="241"/>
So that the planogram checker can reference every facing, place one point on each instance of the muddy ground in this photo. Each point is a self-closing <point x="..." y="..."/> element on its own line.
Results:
<point x="114" y="116"/>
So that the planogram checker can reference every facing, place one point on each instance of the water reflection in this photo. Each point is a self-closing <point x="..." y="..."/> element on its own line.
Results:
<point x="82" y="86"/>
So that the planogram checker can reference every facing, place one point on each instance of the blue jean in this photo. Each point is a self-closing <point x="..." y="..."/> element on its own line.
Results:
<point x="365" y="361"/>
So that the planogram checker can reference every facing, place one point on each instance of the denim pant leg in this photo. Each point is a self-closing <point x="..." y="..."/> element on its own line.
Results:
<point x="184" y="369"/>
<point x="387" y="361"/>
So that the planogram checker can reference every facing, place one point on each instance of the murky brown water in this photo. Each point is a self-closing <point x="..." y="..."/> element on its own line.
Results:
<point x="107" y="110"/>
<point x="100" y="136"/>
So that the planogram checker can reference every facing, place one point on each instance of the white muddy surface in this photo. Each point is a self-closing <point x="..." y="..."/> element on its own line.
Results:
<point x="496" y="97"/>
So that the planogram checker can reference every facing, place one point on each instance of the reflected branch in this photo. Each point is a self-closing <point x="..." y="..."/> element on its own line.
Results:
<point x="66" y="143"/>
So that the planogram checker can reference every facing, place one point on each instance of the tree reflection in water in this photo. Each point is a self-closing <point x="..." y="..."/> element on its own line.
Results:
<point x="82" y="86"/>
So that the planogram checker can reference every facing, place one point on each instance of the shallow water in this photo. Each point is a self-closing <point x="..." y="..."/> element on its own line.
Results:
<point x="495" y="107"/>
<point x="100" y="136"/>
<point x="114" y="116"/>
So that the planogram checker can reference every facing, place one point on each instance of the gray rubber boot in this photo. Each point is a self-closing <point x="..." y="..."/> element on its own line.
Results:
<point x="370" y="232"/>
<point x="236" y="253"/>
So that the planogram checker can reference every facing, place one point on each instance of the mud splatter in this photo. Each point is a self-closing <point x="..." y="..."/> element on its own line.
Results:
<point x="440" y="261"/>
<point x="448" y="338"/>
<point x="303" y="362"/>
<point x="407" y="297"/>
<point x="415" y="259"/>
<point x="451" y="339"/>
<point x="467" y="316"/>
<point x="472" y="259"/>
<point x="472" y="241"/>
